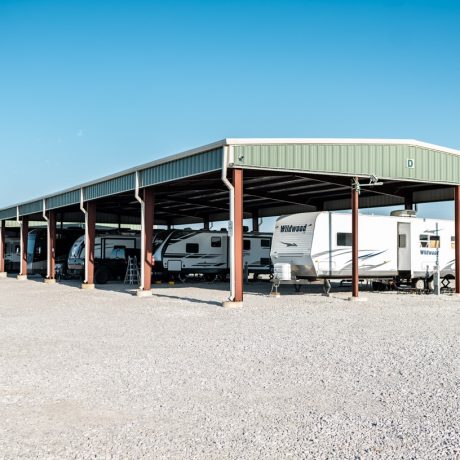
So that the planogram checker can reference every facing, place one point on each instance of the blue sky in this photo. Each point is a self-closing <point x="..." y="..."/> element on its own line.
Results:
<point x="89" y="88"/>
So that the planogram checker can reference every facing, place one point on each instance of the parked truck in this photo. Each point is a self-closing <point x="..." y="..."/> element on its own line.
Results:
<point x="111" y="252"/>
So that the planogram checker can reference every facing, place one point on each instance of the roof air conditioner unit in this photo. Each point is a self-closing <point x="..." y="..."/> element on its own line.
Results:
<point x="404" y="213"/>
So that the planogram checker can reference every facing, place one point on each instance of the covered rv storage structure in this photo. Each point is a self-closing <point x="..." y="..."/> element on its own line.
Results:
<point x="248" y="178"/>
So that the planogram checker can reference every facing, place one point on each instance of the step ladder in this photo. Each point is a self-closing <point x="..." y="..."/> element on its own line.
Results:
<point x="132" y="272"/>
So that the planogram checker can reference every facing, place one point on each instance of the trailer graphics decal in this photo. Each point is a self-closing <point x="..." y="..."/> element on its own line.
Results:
<point x="427" y="252"/>
<point x="294" y="228"/>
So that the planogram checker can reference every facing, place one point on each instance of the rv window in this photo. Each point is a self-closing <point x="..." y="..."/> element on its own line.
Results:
<point x="402" y="239"/>
<point x="452" y="242"/>
<point x="344" y="239"/>
<point x="216" y="242"/>
<point x="430" y="241"/>
<point x="435" y="241"/>
<point x="247" y="245"/>
<point x="265" y="243"/>
<point x="192" y="248"/>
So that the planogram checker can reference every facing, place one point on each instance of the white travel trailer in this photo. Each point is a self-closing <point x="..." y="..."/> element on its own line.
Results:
<point x="400" y="246"/>
<point x="182" y="252"/>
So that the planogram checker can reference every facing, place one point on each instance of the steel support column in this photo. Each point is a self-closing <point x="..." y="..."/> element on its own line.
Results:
<point x="148" y="208"/>
<point x="457" y="239"/>
<point x="24" y="238"/>
<point x="206" y="223"/>
<point x="408" y="202"/>
<point x="51" y="245"/>
<point x="2" y="247"/>
<point x="354" y="231"/>
<point x="238" y="233"/>
<point x="90" y="240"/>
<point x="255" y="221"/>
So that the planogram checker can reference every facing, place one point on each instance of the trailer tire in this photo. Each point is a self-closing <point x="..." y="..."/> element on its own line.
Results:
<point x="102" y="275"/>
<point x="379" y="286"/>
<point x="419" y="284"/>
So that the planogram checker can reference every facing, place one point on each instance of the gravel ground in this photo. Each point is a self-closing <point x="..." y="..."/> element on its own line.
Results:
<point x="103" y="374"/>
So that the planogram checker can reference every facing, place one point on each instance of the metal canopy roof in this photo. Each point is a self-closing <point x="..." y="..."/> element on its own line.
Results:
<point x="281" y="176"/>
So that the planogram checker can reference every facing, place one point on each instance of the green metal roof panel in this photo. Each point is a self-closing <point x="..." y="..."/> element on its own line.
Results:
<point x="110" y="187"/>
<point x="199" y="163"/>
<point x="31" y="208"/>
<point x="387" y="161"/>
<point x="63" y="199"/>
<point x="8" y="213"/>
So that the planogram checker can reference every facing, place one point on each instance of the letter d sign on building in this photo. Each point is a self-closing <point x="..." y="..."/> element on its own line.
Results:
<point x="410" y="163"/>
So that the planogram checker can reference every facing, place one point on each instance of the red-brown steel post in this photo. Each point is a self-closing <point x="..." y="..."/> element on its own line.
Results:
<point x="149" y="208"/>
<point x="52" y="244"/>
<point x="457" y="239"/>
<point x="354" y="231"/>
<point x="238" y="233"/>
<point x="91" y="223"/>
<point x="24" y="238"/>
<point x="255" y="221"/>
<point x="408" y="202"/>
<point x="2" y="246"/>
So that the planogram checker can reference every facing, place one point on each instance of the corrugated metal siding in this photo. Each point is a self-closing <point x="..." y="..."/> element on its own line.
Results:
<point x="110" y="187"/>
<point x="9" y="213"/>
<point x="63" y="199"/>
<point x="31" y="208"/>
<point x="387" y="161"/>
<point x="183" y="167"/>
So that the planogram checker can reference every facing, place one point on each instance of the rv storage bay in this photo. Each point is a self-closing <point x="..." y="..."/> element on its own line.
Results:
<point x="103" y="374"/>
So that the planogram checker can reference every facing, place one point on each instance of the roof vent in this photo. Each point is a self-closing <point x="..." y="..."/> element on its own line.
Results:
<point x="404" y="213"/>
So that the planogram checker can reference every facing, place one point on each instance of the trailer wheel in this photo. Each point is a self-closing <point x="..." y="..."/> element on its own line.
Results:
<point x="419" y="284"/>
<point x="101" y="276"/>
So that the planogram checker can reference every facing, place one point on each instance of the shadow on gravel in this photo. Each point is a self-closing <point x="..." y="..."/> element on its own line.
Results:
<point x="189" y="299"/>
<point x="257" y="288"/>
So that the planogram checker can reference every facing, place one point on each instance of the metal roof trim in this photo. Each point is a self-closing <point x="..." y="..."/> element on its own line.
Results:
<point x="333" y="141"/>
<point x="125" y="172"/>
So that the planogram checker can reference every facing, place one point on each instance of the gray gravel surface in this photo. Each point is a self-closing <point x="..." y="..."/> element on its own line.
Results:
<point x="103" y="374"/>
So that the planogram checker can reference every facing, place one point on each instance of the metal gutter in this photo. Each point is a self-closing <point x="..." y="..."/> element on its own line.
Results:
<point x="85" y="212"/>
<point x="225" y="161"/>
<point x="141" y="201"/>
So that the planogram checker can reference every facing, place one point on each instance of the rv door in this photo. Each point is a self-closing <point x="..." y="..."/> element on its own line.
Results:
<point x="404" y="247"/>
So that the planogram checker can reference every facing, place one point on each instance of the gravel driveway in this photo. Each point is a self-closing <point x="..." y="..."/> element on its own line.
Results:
<point x="103" y="374"/>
